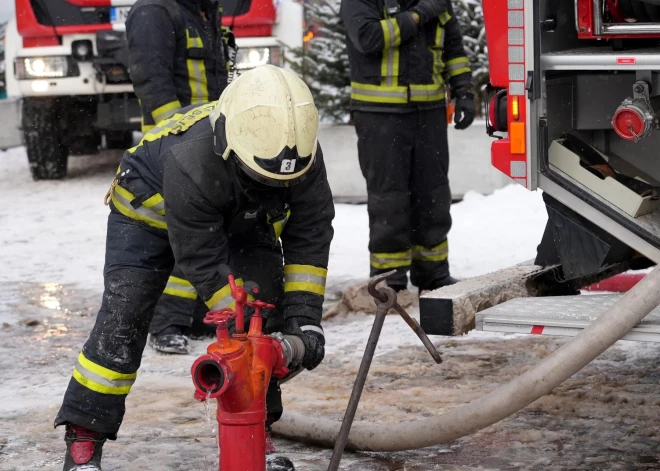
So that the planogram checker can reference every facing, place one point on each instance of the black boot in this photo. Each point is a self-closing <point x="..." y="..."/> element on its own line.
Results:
<point x="170" y="340"/>
<point x="83" y="449"/>
<point x="276" y="462"/>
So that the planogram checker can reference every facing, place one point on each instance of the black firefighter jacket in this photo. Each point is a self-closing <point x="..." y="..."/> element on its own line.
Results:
<point x="177" y="55"/>
<point x="173" y="180"/>
<point x="397" y="65"/>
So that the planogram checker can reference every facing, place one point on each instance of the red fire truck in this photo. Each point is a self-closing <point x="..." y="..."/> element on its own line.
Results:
<point x="575" y="95"/>
<point x="70" y="71"/>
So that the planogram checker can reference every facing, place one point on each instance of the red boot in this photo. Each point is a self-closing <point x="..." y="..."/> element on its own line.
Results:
<point x="83" y="449"/>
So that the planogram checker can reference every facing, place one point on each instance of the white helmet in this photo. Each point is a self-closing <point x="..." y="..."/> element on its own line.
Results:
<point x="267" y="117"/>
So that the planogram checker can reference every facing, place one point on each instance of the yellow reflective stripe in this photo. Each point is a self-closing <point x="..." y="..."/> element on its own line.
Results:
<point x="305" y="269"/>
<point x="103" y="371"/>
<point x="165" y="111"/>
<point x="391" y="33"/>
<point x="305" y="278"/>
<point x="444" y="18"/>
<point x="156" y="203"/>
<point x="180" y="288"/>
<point x="222" y="298"/>
<point x="458" y="66"/>
<point x="278" y="226"/>
<point x="391" y="259"/>
<point x="122" y="198"/>
<point x="177" y="124"/>
<point x="304" y="286"/>
<point x="378" y="93"/>
<point x="426" y="93"/>
<point x="197" y="72"/>
<point x="439" y="253"/>
<point x="100" y="388"/>
<point x="147" y="127"/>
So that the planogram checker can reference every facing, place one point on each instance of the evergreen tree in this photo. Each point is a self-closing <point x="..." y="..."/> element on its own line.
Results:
<point x="323" y="62"/>
<point x="471" y="18"/>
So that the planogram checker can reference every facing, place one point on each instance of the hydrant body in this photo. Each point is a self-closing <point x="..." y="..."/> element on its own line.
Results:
<point x="236" y="371"/>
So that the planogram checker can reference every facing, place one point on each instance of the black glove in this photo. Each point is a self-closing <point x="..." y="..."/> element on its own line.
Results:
<point x="429" y="9"/>
<point x="465" y="110"/>
<point x="311" y="333"/>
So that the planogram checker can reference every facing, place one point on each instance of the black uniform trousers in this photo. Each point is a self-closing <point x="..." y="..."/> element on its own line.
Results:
<point x="404" y="158"/>
<point x="138" y="262"/>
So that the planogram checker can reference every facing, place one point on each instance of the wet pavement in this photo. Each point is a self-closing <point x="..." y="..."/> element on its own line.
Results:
<point x="607" y="417"/>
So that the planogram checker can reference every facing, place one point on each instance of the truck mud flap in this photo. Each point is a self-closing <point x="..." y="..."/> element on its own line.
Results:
<point x="11" y="134"/>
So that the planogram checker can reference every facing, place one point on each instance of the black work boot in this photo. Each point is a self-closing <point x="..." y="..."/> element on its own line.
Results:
<point x="170" y="340"/>
<point x="276" y="462"/>
<point x="83" y="449"/>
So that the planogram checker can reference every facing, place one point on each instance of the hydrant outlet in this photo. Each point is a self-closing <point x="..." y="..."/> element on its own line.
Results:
<point x="210" y="377"/>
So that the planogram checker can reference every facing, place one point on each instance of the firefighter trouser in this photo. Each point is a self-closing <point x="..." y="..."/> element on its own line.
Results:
<point x="178" y="305"/>
<point x="404" y="158"/>
<point x="137" y="266"/>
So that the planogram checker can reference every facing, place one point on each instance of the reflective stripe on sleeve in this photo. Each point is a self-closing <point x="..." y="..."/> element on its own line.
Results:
<point x="180" y="288"/>
<point x="305" y="278"/>
<point x="439" y="253"/>
<point x="391" y="33"/>
<point x="457" y="66"/>
<point x="222" y="298"/>
<point x="122" y="198"/>
<point x="156" y="203"/>
<point x="166" y="111"/>
<point x="101" y="379"/>
<point x="391" y="259"/>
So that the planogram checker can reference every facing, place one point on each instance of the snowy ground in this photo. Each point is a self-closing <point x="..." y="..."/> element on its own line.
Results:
<point x="52" y="245"/>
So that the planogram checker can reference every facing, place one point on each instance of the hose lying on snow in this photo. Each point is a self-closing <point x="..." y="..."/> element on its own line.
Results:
<point x="497" y="405"/>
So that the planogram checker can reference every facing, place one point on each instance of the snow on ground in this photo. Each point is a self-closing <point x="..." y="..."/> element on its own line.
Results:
<point x="52" y="246"/>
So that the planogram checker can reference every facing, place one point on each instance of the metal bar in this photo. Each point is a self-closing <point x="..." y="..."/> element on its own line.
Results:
<point x="414" y="325"/>
<point x="598" y="20"/>
<point x="632" y="28"/>
<point x="342" y="438"/>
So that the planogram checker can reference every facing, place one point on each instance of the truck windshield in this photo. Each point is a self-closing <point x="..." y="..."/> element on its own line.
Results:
<point x="236" y="7"/>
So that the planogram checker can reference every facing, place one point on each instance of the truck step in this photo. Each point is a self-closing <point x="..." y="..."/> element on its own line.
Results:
<point x="560" y="316"/>
<point x="601" y="58"/>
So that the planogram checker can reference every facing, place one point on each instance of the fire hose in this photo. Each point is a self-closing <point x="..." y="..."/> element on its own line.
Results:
<point x="611" y="326"/>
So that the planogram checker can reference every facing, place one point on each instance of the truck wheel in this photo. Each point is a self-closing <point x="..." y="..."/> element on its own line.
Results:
<point x="121" y="140"/>
<point x="46" y="154"/>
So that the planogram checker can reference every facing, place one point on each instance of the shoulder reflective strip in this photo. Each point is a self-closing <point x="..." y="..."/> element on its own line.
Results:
<point x="439" y="253"/>
<point x="197" y="73"/>
<point x="165" y="111"/>
<point x="180" y="288"/>
<point x="147" y="127"/>
<point x="312" y="328"/>
<point x="122" y="201"/>
<point x="156" y="203"/>
<point x="308" y="269"/>
<point x="177" y="124"/>
<point x="222" y="298"/>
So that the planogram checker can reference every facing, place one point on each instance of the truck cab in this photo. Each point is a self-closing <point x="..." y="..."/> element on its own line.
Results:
<point x="69" y="78"/>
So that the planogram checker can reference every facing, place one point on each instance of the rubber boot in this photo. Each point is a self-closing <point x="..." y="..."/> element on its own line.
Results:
<point x="170" y="340"/>
<point x="83" y="449"/>
<point x="276" y="462"/>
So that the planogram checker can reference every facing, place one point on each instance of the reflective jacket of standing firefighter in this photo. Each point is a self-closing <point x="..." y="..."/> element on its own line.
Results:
<point x="398" y="65"/>
<point x="173" y="180"/>
<point x="177" y="55"/>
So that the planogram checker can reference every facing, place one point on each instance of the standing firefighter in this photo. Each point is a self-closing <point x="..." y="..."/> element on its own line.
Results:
<point x="178" y="58"/>
<point x="215" y="187"/>
<point x="401" y="54"/>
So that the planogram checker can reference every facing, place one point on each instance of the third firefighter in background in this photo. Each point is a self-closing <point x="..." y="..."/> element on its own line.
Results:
<point x="402" y="55"/>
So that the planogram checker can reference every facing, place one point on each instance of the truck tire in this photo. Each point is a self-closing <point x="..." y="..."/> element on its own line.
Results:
<point x="121" y="140"/>
<point x="46" y="154"/>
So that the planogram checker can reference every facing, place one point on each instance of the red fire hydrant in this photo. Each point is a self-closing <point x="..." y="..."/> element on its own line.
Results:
<point x="237" y="371"/>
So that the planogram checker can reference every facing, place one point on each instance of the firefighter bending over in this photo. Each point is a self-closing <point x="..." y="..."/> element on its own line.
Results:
<point x="178" y="58"/>
<point x="215" y="187"/>
<point x="401" y="52"/>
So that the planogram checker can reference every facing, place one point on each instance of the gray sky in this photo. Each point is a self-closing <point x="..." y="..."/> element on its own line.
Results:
<point x="6" y="10"/>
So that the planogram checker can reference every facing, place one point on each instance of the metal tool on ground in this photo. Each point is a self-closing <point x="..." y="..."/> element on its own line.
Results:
<point x="236" y="371"/>
<point x="385" y="299"/>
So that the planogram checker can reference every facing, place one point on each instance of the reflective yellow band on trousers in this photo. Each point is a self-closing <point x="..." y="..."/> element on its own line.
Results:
<point x="391" y="259"/>
<point x="165" y="111"/>
<point x="222" y="298"/>
<point x="100" y="379"/>
<point x="457" y="66"/>
<point x="180" y="288"/>
<point x="305" y="278"/>
<point x="439" y="253"/>
<point x="197" y="72"/>
<point x="122" y="198"/>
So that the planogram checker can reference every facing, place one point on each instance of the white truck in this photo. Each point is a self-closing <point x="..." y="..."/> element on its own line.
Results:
<point x="68" y="80"/>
